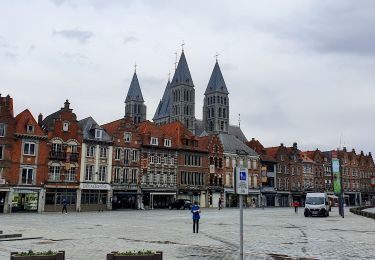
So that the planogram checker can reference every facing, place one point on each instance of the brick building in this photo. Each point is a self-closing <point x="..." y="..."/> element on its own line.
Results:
<point x="64" y="146"/>
<point x="159" y="164"/>
<point x="125" y="180"/>
<point x="28" y="171"/>
<point x="7" y="129"/>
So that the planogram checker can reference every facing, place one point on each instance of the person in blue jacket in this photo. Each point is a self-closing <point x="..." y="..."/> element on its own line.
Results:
<point x="195" y="210"/>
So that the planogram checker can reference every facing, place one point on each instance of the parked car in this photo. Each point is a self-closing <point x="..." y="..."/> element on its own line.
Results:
<point x="180" y="204"/>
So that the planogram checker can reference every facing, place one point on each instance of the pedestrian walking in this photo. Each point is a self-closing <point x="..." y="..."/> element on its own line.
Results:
<point x="64" y="202"/>
<point x="220" y="203"/>
<point x="296" y="205"/>
<point x="195" y="210"/>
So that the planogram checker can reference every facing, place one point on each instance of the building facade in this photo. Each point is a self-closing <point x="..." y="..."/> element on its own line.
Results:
<point x="64" y="153"/>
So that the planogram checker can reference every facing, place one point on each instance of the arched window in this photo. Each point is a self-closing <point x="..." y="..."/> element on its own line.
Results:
<point x="224" y="113"/>
<point x="219" y="111"/>
<point x="211" y="126"/>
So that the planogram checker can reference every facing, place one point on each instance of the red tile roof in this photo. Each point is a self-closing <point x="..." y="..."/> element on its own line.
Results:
<point x="24" y="119"/>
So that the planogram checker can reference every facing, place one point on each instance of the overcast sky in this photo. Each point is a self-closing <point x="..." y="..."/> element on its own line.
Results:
<point x="297" y="71"/>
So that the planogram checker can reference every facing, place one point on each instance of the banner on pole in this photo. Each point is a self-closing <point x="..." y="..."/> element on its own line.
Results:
<point x="336" y="176"/>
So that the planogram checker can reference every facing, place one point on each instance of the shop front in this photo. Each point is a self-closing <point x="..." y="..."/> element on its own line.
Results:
<point x="94" y="197"/>
<point x="194" y="196"/>
<point x="125" y="199"/>
<point x="158" y="199"/>
<point x="26" y="199"/>
<point x="284" y="199"/>
<point x="3" y="200"/>
<point x="55" y="197"/>
<point x="213" y="198"/>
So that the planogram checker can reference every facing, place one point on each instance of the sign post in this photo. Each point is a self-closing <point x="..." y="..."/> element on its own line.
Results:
<point x="241" y="188"/>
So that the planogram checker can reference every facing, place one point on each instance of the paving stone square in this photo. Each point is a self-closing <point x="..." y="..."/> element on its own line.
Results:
<point x="272" y="233"/>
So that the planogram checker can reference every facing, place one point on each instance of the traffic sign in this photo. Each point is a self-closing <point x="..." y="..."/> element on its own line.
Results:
<point x="242" y="181"/>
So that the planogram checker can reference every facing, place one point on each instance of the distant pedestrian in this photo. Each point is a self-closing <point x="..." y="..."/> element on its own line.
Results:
<point x="296" y="205"/>
<point x="220" y="203"/>
<point x="195" y="210"/>
<point x="64" y="202"/>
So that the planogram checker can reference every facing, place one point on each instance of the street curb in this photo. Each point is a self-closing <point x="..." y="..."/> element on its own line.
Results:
<point x="359" y="211"/>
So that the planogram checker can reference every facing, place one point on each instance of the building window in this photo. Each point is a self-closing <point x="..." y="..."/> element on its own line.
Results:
<point x="56" y="147"/>
<point x="117" y="154"/>
<point x="29" y="148"/>
<point x="89" y="172"/>
<point x="134" y="176"/>
<point x="102" y="173"/>
<point x="65" y="126"/>
<point x="54" y="173"/>
<point x="27" y="176"/>
<point x="90" y="151"/>
<point x="72" y="174"/>
<point x="2" y="148"/>
<point x="73" y="148"/>
<point x="117" y="176"/>
<point x="134" y="155"/>
<point x="127" y="137"/>
<point x="30" y="129"/>
<point x="98" y="133"/>
<point x="2" y="130"/>
<point x="103" y="152"/>
<point x="167" y="143"/>
<point x="126" y="156"/>
<point x="154" y="141"/>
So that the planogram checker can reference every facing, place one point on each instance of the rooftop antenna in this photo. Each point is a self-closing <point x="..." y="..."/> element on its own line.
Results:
<point x="239" y="120"/>
<point x="175" y="62"/>
<point x="216" y="55"/>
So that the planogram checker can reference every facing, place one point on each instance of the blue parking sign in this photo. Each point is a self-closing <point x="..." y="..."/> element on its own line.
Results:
<point x="242" y="176"/>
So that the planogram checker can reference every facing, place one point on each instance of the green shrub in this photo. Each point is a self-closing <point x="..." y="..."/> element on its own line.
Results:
<point x="32" y="253"/>
<point x="144" y="252"/>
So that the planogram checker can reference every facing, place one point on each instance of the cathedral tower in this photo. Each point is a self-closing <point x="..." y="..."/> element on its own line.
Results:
<point x="216" y="104"/>
<point x="134" y="103"/>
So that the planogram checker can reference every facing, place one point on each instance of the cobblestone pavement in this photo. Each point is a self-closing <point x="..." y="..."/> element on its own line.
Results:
<point x="269" y="234"/>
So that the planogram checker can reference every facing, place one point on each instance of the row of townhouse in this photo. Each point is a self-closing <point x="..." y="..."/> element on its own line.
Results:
<point x="116" y="165"/>
<point x="299" y="172"/>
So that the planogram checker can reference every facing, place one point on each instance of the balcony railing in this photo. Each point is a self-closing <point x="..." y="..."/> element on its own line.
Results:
<point x="55" y="155"/>
<point x="74" y="157"/>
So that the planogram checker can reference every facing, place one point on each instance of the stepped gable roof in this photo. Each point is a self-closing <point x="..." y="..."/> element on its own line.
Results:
<point x="49" y="121"/>
<point x="216" y="83"/>
<point x="231" y="144"/>
<point x="232" y="130"/>
<point x="24" y="119"/>
<point x="134" y="92"/>
<point x="164" y="107"/>
<point x="88" y="126"/>
<point x="182" y="73"/>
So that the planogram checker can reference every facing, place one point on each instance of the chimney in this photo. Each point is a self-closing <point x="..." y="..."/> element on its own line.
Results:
<point x="281" y="144"/>
<point x="295" y="145"/>
<point x="66" y="105"/>
<point x="353" y="151"/>
<point x="40" y="119"/>
<point x="253" y="139"/>
<point x="362" y="152"/>
<point x="344" y="149"/>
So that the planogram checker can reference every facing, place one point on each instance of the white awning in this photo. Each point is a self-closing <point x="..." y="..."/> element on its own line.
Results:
<point x="332" y="196"/>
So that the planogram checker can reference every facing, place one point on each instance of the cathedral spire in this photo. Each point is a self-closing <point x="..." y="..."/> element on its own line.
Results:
<point x="216" y="83"/>
<point x="182" y="73"/>
<point x="134" y="92"/>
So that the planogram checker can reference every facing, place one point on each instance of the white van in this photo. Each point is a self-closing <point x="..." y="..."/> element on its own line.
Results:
<point x="316" y="204"/>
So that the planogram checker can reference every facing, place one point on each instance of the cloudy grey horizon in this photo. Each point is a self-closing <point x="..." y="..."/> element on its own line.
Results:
<point x="297" y="71"/>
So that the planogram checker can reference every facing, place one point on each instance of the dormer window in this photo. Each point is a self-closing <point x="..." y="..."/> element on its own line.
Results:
<point x="167" y="143"/>
<point x="65" y="126"/>
<point x="98" y="133"/>
<point x="127" y="137"/>
<point x="30" y="129"/>
<point x="154" y="141"/>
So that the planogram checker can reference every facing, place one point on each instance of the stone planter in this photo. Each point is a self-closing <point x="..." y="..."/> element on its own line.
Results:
<point x="58" y="256"/>
<point x="156" y="256"/>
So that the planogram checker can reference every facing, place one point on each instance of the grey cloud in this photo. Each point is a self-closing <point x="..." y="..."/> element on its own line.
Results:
<point x="11" y="55"/>
<point x="129" y="39"/>
<point x="75" y="34"/>
<point x="330" y="27"/>
<point x="76" y="58"/>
